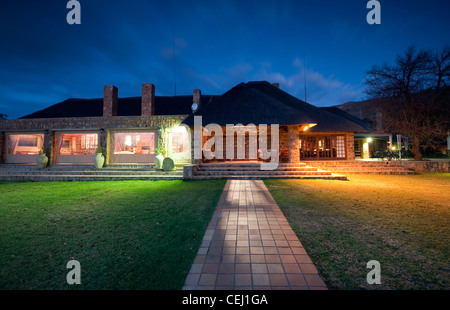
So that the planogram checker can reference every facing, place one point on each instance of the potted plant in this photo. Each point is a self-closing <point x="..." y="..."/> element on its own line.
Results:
<point x="42" y="159"/>
<point x="159" y="158"/>
<point x="99" y="159"/>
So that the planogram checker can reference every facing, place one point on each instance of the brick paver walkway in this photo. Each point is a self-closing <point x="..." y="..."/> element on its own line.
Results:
<point x="249" y="245"/>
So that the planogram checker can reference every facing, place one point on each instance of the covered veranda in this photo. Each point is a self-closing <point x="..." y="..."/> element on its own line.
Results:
<point x="263" y="117"/>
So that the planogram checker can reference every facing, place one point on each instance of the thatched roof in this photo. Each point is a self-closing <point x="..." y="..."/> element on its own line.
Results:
<point x="341" y="113"/>
<point x="128" y="106"/>
<point x="263" y="103"/>
<point x="247" y="103"/>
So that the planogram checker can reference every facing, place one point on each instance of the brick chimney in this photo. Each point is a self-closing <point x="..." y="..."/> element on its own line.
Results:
<point x="148" y="99"/>
<point x="110" y="96"/>
<point x="196" y="97"/>
<point x="277" y="85"/>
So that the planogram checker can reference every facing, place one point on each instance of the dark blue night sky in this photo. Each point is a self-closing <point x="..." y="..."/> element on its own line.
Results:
<point x="208" y="44"/>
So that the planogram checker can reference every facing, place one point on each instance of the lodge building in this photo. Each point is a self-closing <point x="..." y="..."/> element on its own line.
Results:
<point x="131" y="130"/>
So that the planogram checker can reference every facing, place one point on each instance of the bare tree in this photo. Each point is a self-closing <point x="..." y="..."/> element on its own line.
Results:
<point x="440" y="67"/>
<point x="415" y="95"/>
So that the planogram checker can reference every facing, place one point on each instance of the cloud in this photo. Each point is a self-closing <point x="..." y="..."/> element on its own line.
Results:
<point x="238" y="71"/>
<point x="320" y="90"/>
<point x="168" y="52"/>
<point x="178" y="45"/>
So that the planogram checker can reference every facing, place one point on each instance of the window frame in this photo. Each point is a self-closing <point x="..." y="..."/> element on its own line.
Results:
<point x="331" y="150"/>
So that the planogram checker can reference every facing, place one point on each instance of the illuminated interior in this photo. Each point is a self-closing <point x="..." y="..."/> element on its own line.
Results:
<point x="322" y="147"/>
<point x="25" y="144"/>
<point x="134" y="143"/>
<point x="78" y="144"/>
<point x="180" y="140"/>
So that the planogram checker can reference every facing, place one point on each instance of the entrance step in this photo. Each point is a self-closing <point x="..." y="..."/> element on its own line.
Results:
<point x="77" y="178"/>
<point x="86" y="173"/>
<point x="364" y="167"/>
<point x="247" y="171"/>
<point x="331" y="176"/>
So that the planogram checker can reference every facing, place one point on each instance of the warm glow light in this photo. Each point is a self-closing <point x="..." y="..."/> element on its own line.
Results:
<point x="306" y="127"/>
<point x="132" y="143"/>
<point x="393" y="148"/>
<point x="180" y="128"/>
<point x="128" y="141"/>
<point x="369" y="140"/>
<point x="365" y="151"/>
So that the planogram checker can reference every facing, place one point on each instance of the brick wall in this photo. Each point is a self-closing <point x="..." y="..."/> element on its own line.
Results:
<point x="284" y="141"/>
<point x="110" y="98"/>
<point x="89" y="123"/>
<point x="428" y="166"/>
<point x="294" y="143"/>
<point x="148" y="99"/>
<point x="102" y="125"/>
<point x="350" y="146"/>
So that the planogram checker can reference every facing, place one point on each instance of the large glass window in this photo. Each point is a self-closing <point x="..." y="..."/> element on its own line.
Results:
<point x="25" y="144"/>
<point x="180" y="141"/>
<point x="322" y="147"/>
<point x="78" y="144"/>
<point x="134" y="143"/>
<point x="340" y="147"/>
<point x="357" y="148"/>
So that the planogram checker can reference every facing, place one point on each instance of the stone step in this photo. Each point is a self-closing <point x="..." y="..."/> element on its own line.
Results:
<point x="399" y="172"/>
<point x="266" y="173"/>
<point x="360" y="167"/>
<point x="86" y="173"/>
<point x="380" y="165"/>
<point x="69" y="177"/>
<point x="253" y="171"/>
<point x="231" y="168"/>
<point x="371" y="170"/>
<point x="75" y="168"/>
<point x="258" y="177"/>
<point x="89" y="172"/>
<point x="365" y="167"/>
<point x="248" y="165"/>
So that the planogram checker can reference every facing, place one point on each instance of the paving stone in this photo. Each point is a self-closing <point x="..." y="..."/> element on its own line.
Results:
<point x="250" y="246"/>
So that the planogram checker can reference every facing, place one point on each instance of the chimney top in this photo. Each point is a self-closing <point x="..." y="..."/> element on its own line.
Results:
<point x="148" y="99"/>
<point x="110" y="98"/>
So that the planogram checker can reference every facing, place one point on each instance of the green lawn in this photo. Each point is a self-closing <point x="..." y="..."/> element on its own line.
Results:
<point x="125" y="234"/>
<point x="401" y="221"/>
<point x="145" y="235"/>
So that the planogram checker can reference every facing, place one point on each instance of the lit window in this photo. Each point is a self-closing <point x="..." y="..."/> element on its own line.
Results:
<point x="180" y="142"/>
<point x="134" y="143"/>
<point x="78" y="144"/>
<point x="340" y="146"/>
<point x="322" y="147"/>
<point x="128" y="140"/>
<point x="25" y="144"/>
